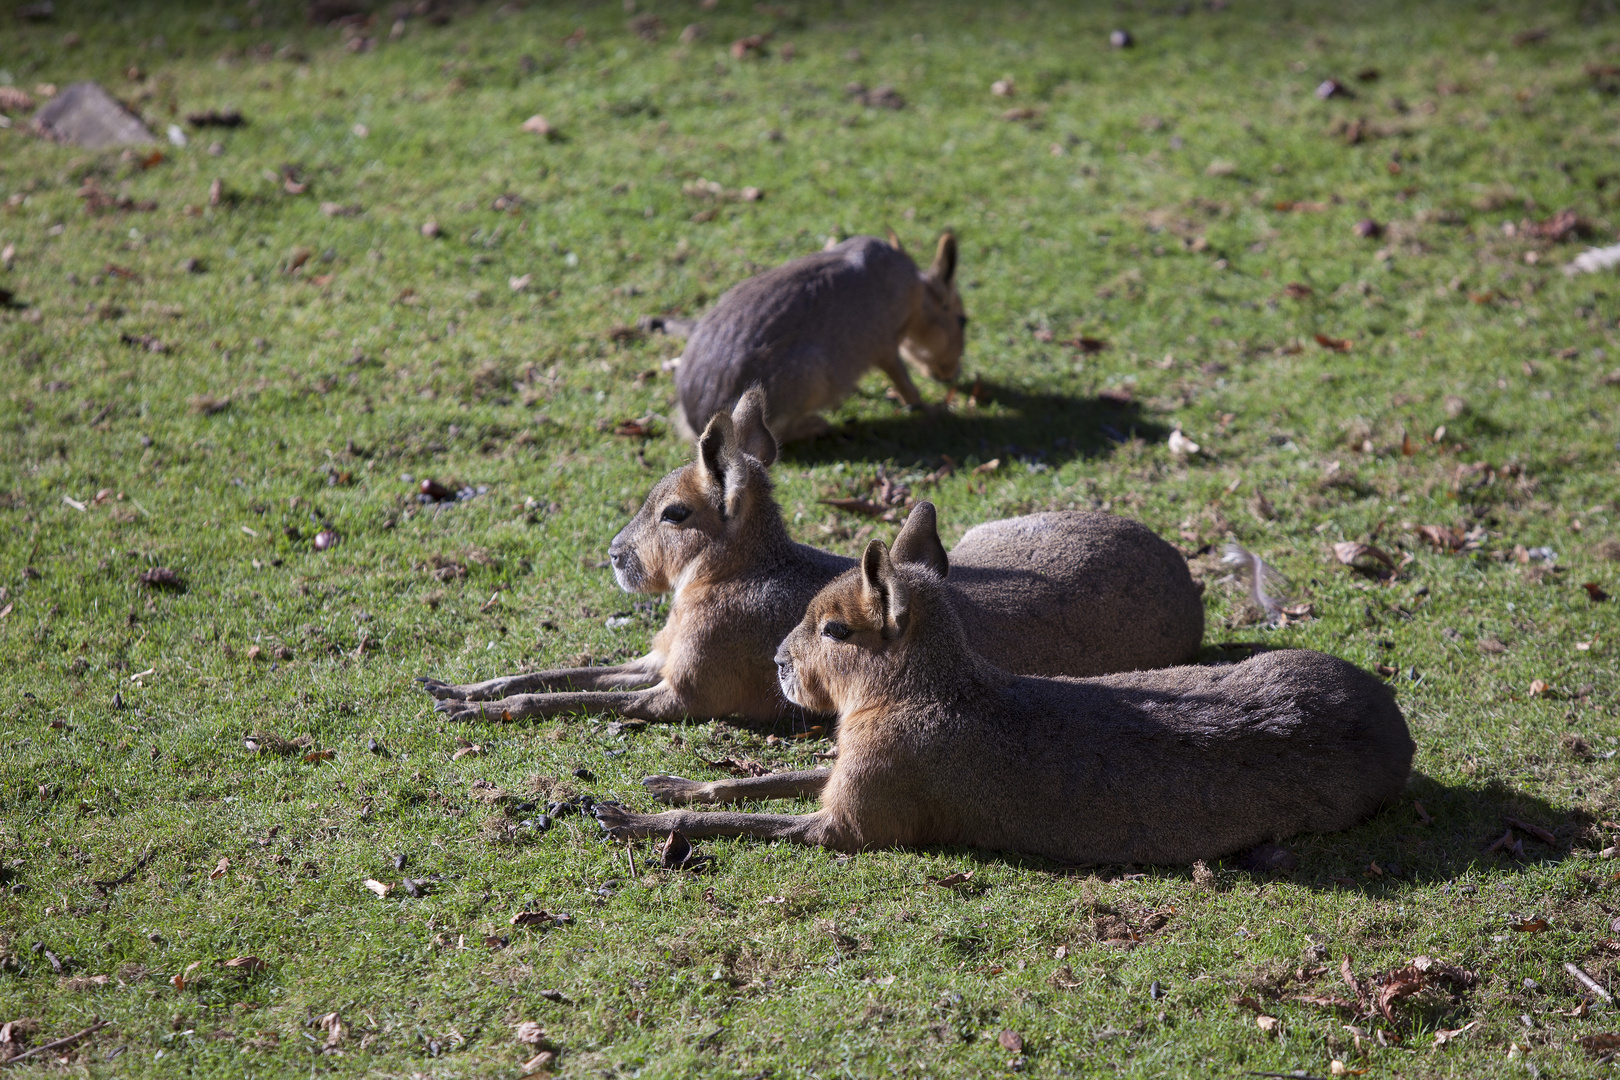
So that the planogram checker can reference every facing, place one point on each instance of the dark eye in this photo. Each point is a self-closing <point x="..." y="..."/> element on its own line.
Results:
<point x="836" y="630"/>
<point x="675" y="513"/>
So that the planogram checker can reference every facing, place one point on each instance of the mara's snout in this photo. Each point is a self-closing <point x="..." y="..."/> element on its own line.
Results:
<point x="626" y="567"/>
<point x="785" y="676"/>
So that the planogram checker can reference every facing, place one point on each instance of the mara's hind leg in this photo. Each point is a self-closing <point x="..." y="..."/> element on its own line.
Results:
<point x="659" y="702"/>
<point x="627" y="676"/>
<point x="784" y="785"/>
<point x="817" y="828"/>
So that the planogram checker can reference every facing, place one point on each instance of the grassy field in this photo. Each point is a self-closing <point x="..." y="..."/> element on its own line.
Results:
<point x="204" y="378"/>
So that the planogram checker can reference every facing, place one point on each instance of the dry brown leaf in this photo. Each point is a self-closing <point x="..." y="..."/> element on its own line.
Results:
<point x="1538" y="687"/>
<point x="317" y="756"/>
<point x="1011" y="1041"/>
<point x="864" y="507"/>
<point x="220" y="871"/>
<point x="1348" y="551"/>
<point x="1334" y="344"/>
<point x="530" y="1032"/>
<point x="245" y="963"/>
<point x="467" y="751"/>
<point x="952" y="881"/>
<point x="541" y="918"/>
<point x="377" y="887"/>
<point x="1267" y="1024"/>
<point x="1532" y="926"/>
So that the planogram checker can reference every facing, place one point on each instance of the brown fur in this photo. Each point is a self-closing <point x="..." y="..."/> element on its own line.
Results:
<point x="938" y="746"/>
<point x="808" y="330"/>
<point x="1064" y="593"/>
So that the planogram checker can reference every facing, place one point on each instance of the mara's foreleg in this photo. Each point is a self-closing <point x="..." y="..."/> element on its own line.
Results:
<point x="895" y="369"/>
<point x="814" y="828"/>
<point x="630" y="675"/>
<point x="660" y="702"/>
<point x="783" y="785"/>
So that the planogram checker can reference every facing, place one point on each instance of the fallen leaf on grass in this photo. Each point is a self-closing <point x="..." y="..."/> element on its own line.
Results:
<point x="467" y="751"/>
<point x="1538" y="687"/>
<point x="1334" y="344"/>
<point x="865" y="507"/>
<point x="1011" y="1041"/>
<point x="880" y="97"/>
<point x="1423" y="815"/>
<point x="1297" y="290"/>
<point x="952" y="881"/>
<point x="743" y="767"/>
<point x="179" y="981"/>
<point x="245" y="963"/>
<point x="335" y="1030"/>
<point x="1531" y="926"/>
<point x="208" y="404"/>
<point x="1180" y="445"/>
<point x="318" y="756"/>
<point x="539" y="125"/>
<point x="988" y="467"/>
<point x="539" y="1063"/>
<point x="529" y="1032"/>
<point x="1087" y="344"/>
<point x="161" y="577"/>
<point x="1601" y="1043"/>
<point x="752" y="45"/>
<point x="1267" y="1024"/>
<point x="1534" y="830"/>
<point x="1444" y="1035"/>
<point x="1325" y="1001"/>
<point x="1595" y="592"/>
<point x="679" y="853"/>
<point x="377" y="887"/>
<point x="1348" y="551"/>
<point x="540" y="918"/>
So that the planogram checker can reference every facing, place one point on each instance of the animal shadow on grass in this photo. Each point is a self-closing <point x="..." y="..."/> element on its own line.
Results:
<point x="1038" y="428"/>
<point x="1466" y="823"/>
<point x="1434" y="834"/>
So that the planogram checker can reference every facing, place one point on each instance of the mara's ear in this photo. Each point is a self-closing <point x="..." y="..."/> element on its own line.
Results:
<point x="883" y="591"/>
<point x="711" y="459"/>
<point x="944" y="268"/>
<point x="748" y="419"/>
<point x="894" y="242"/>
<point x="918" y="542"/>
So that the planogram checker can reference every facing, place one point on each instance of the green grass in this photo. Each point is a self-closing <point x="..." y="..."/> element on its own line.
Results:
<point x="1100" y="216"/>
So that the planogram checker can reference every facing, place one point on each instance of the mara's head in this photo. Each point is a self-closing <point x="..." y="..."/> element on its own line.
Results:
<point x="933" y="336"/>
<point x="705" y="514"/>
<point x="862" y="637"/>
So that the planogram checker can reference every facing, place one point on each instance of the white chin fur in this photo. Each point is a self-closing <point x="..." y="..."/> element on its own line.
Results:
<point x="625" y="582"/>
<point x="790" y="686"/>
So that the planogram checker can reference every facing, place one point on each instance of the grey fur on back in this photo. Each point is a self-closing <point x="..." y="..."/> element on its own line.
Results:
<point x="1189" y="763"/>
<point x="806" y="331"/>
<point x="1102" y="594"/>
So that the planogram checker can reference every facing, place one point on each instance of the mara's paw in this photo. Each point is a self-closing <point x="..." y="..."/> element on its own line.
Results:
<point x="440" y="690"/>
<point x="456" y="709"/>
<point x="621" y="824"/>
<point x="675" y="790"/>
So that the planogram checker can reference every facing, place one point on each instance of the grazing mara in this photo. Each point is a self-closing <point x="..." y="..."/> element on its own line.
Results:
<point x="939" y="746"/>
<point x="1067" y="593"/>
<point x="808" y="330"/>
